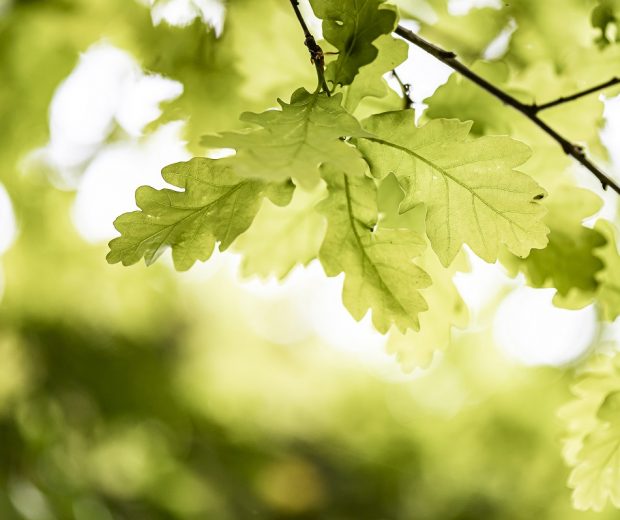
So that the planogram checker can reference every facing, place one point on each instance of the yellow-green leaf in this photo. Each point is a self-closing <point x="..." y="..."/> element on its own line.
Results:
<point x="471" y="191"/>
<point x="295" y="141"/>
<point x="378" y="263"/>
<point x="569" y="263"/>
<point x="215" y="206"/>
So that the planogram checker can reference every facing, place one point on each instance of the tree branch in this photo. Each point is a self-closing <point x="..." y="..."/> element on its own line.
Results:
<point x="577" y="95"/>
<point x="529" y="111"/>
<point x="316" y="53"/>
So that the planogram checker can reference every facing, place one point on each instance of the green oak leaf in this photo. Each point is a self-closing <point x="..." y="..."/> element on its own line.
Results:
<point x="461" y="99"/>
<point x="295" y="141"/>
<point x="592" y="444"/>
<point x="472" y="193"/>
<point x="608" y="296"/>
<point x="352" y="26"/>
<point x="369" y="82"/>
<point x="281" y="238"/>
<point x="569" y="263"/>
<point x="215" y="206"/>
<point x="378" y="263"/>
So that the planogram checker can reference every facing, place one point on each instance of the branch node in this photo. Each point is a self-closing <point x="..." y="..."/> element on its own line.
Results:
<point x="578" y="95"/>
<point x="316" y="53"/>
<point x="448" y="55"/>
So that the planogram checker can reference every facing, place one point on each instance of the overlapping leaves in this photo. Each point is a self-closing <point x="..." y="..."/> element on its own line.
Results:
<point x="446" y="308"/>
<point x="471" y="191"/>
<point x="466" y="191"/>
<point x="370" y="82"/>
<point x="570" y="262"/>
<point x="459" y="183"/>
<point x="459" y="187"/>
<point x="378" y="263"/>
<point x="295" y="141"/>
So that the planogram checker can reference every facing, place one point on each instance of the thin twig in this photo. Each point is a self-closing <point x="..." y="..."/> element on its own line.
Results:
<point x="316" y="53"/>
<point x="576" y="95"/>
<point x="302" y="22"/>
<point x="405" y="88"/>
<point x="450" y="59"/>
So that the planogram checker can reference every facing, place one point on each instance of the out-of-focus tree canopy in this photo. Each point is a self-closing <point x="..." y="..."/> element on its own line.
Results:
<point x="140" y="393"/>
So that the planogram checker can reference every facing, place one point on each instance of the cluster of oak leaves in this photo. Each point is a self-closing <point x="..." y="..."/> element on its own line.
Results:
<point x="390" y="204"/>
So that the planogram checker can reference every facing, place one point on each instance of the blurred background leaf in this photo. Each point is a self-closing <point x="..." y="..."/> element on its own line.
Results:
<point x="140" y="394"/>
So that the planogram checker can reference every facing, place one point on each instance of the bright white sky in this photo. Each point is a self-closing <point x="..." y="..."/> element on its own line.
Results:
<point x="108" y="90"/>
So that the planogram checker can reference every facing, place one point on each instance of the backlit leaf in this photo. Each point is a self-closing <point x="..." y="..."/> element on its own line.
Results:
<point x="295" y="141"/>
<point x="378" y="263"/>
<point x="446" y="308"/>
<point x="369" y="81"/>
<point x="215" y="206"/>
<point x="569" y="263"/>
<point x="471" y="191"/>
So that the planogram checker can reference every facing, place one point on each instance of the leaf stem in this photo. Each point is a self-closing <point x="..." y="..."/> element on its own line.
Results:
<point x="406" y="90"/>
<point x="316" y="53"/>
<point x="531" y="112"/>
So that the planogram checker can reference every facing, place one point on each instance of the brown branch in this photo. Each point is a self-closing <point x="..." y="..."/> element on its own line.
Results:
<point x="531" y="112"/>
<point x="316" y="53"/>
<point x="576" y="95"/>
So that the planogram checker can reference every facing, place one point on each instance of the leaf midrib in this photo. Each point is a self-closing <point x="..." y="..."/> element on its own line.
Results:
<point x="172" y="227"/>
<point x="445" y="174"/>
<point x="358" y="239"/>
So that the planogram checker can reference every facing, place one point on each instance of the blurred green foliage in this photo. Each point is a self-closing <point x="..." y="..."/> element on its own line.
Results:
<point x="135" y="394"/>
